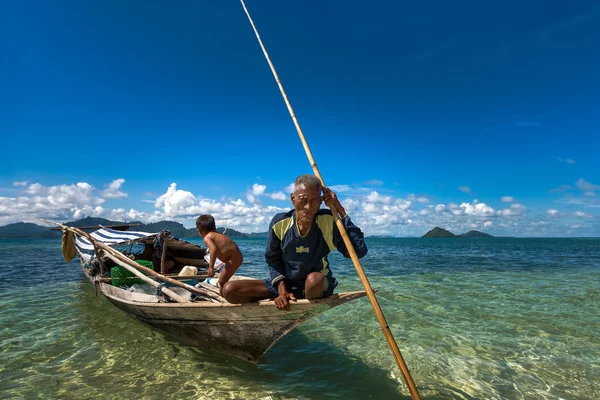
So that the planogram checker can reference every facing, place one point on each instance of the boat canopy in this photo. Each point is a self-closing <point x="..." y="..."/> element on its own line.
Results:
<point x="112" y="237"/>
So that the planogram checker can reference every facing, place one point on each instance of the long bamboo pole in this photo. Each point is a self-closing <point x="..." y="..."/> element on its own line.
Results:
<point x="363" y="277"/>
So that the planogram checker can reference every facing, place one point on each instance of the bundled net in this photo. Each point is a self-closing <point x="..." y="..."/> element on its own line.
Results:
<point x="121" y="277"/>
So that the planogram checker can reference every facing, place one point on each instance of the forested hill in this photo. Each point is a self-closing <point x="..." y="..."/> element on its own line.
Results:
<point x="438" y="232"/>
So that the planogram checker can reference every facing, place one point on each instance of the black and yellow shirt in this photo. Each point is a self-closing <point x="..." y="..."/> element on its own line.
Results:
<point x="292" y="257"/>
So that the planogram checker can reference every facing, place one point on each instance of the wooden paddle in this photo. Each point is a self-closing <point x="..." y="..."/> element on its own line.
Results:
<point x="363" y="277"/>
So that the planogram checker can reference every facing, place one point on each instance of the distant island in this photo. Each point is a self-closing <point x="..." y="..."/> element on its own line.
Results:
<point x="30" y="230"/>
<point x="438" y="232"/>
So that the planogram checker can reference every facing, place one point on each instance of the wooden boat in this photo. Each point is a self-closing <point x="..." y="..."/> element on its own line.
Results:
<point x="199" y="316"/>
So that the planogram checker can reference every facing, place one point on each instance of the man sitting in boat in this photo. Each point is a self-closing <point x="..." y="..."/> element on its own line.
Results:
<point x="299" y="241"/>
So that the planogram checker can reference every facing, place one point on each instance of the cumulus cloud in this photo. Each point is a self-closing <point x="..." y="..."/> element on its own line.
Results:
<point x="113" y="191"/>
<point x="20" y="183"/>
<point x="253" y="195"/>
<point x="278" y="196"/>
<point x="374" y="212"/>
<point x="176" y="202"/>
<point x="465" y="189"/>
<point x="53" y="202"/>
<point x="376" y="198"/>
<point x="258" y="190"/>
<point x="514" y="210"/>
<point x="479" y="209"/>
<point x="507" y="199"/>
<point x="181" y="204"/>
<point x="418" y="199"/>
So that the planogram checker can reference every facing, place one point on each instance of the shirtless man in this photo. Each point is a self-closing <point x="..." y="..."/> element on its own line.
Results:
<point x="221" y="247"/>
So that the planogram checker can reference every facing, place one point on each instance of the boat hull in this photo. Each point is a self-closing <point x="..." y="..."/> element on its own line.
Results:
<point x="245" y="331"/>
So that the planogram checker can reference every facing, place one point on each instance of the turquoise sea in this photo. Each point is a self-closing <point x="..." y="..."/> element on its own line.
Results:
<point x="474" y="319"/>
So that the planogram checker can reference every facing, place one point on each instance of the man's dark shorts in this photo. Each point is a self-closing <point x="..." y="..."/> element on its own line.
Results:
<point x="298" y="289"/>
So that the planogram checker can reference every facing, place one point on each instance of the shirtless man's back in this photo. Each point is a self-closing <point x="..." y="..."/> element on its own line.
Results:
<point x="226" y="250"/>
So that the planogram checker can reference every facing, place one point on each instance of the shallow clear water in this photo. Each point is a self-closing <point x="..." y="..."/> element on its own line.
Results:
<point x="474" y="318"/>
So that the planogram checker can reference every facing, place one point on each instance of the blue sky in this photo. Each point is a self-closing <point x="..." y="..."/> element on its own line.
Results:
<point x="461" y="115"/>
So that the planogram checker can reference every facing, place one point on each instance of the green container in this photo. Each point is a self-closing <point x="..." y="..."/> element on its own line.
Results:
<point x="121" y="277"/>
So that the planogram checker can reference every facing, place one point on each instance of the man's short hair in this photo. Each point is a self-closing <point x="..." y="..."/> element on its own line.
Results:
<point x="206" y="223"/>
<point x="307" y="180"/>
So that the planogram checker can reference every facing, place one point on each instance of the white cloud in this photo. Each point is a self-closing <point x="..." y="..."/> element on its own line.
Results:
<point x="176" y="202"/>
<point x="339" y="188"/>
<point x="374" y="212"/>
<point x="587" y="186"/>
<point x="589" y="194"/>
<point x="375" y="197"/>
<point x="507" y="199"/>
<point x="20" y="183"/>
<point x="514" y="210"/>
<point x="51" y="202"/>
<point x="180" y="204"/>
<point x="465" y="189"/>
<point x="278" y="196"/>
<point x="570" y="161"/>
<point x="113" y="190"/>
<point x="479" y="209"/>
<point x="374" y="182"/>
<point x="255" y="192"/>
<point x="258" y="190"/>
<point x="37" y="189"/>
<point x="418" y="199"/>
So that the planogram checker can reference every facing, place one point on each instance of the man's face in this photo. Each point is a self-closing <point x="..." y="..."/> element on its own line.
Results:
<point x="306" y="201"/>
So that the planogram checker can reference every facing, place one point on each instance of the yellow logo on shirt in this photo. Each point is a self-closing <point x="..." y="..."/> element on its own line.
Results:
<point x="301" y="249"/>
